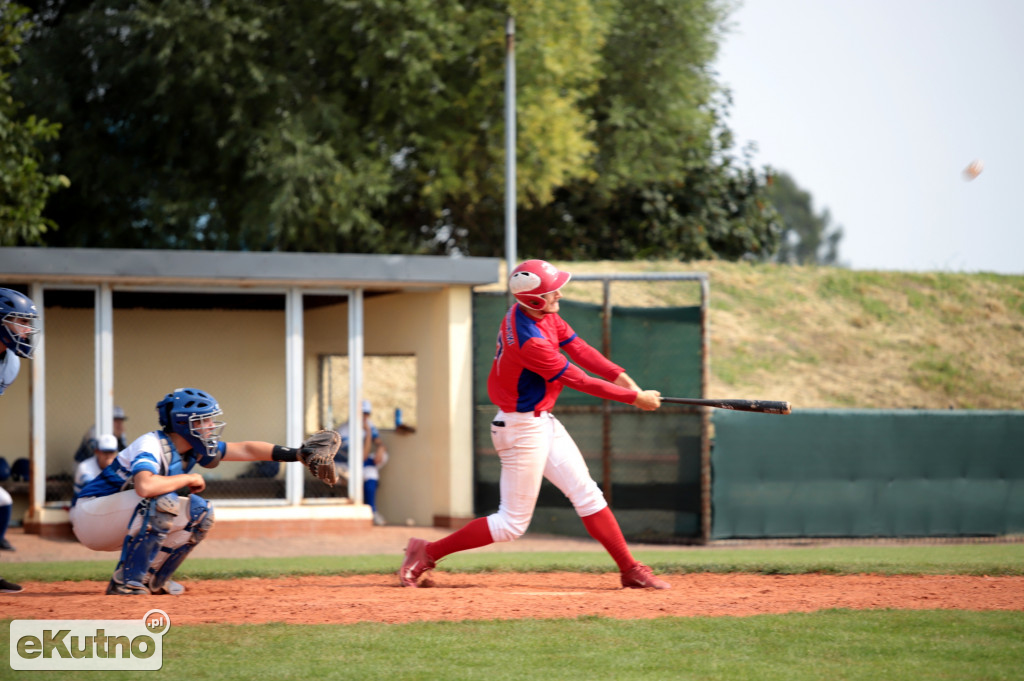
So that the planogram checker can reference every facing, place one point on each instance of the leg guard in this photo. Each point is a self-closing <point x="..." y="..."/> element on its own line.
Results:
<point x="140" y="550"/>
<point x="200" y="522"/>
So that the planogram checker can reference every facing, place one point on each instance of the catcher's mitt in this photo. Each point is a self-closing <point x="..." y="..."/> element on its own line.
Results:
<point x="317" y="453"/>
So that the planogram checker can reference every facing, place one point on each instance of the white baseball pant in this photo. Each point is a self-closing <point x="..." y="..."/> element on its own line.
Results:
<point x="532" y="448"/>
<point x="101" y="523"/>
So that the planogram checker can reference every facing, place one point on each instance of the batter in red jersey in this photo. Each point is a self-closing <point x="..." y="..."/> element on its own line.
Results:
<point x="527" y="375"/>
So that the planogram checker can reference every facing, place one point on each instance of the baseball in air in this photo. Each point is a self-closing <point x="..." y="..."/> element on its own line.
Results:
<point x="973" y="169"/>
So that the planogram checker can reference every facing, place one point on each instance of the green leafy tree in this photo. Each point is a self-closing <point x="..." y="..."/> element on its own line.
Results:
<point x="654" y="109"/>
<point x="378" y="126"/>
<point x="808" y="238"/>
<point x="24" y="187"/>
<point x="237" y="126"/>
<point x="225" y="126"/>
<point x="716" y="210"/>
<point x="661" y="179"/>
<point x="666" y="180"/>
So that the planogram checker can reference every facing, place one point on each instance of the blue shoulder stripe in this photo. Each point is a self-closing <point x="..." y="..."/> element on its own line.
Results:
<point x="526" y="327"/>
<point x="559" y="374"/>
<point x="146" y="462"/>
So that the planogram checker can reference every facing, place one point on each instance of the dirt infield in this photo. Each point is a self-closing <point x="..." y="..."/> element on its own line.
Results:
<point x="378" y="598"/>
<point x="458" y="596"/>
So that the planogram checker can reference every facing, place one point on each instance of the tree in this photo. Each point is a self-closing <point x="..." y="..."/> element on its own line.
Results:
<point x="666" y="182"/>
<point x="716" y="210"/>
<point x="236" y="126"/>
<point x="24" y="187"/>
<point x="661" y="180"/>
<point x="807" y="238"/>
<point x="378" y="126"/>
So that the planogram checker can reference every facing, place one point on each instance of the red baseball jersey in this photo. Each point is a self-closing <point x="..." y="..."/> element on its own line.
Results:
<point x="529" y="371"/>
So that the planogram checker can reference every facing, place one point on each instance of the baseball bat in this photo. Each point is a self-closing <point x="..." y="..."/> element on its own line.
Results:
<point x="762" y="406"/>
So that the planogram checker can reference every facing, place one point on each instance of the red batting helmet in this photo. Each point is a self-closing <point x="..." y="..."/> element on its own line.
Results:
<point x="534" y="278"/>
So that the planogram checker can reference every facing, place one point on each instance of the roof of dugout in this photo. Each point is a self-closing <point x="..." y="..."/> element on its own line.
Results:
<point x="233" y="269"/>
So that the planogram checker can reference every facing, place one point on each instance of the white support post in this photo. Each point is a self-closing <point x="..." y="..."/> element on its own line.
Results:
<point x="355" y="397"/>
<point x="510" y="145"/>
<point x="294" y="394"/>
<point x="37" y="452"/>
<point x="104" y="362"/>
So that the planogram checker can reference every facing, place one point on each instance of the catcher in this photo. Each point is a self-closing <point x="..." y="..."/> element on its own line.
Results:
<point x="133" y="505"/>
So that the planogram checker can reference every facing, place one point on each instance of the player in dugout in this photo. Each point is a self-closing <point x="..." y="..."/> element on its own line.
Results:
<point x="527" y="374"/>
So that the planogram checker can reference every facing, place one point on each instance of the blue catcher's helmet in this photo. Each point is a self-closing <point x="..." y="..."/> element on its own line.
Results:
<point x="19" y="321"/>
<point x="191" y="413"/>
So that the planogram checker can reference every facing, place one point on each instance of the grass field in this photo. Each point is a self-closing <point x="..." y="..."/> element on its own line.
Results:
<point x="836" y="644"/>
<point x="829" y="644"/>
<point x="895" y="559"/>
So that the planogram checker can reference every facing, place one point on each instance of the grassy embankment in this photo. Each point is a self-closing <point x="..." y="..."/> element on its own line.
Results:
<point x="828" y="337"/>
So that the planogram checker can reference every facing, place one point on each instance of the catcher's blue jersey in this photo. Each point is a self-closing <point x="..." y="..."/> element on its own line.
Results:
<point x="153" y="452"/>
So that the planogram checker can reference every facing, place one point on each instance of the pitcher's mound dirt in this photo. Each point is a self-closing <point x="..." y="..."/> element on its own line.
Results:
<point x="378" y="598"/>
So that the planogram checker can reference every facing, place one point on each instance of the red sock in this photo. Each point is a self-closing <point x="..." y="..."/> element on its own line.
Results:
<point x="473" y="535"/>
<point x="603" y="527"/>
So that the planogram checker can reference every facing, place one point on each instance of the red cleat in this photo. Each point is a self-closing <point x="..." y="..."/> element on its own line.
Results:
<point x="416" y="562"/>
<point x="642" y="577"/>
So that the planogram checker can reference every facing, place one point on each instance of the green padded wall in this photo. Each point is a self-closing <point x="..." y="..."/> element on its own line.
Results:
<point x="860" y="473"/>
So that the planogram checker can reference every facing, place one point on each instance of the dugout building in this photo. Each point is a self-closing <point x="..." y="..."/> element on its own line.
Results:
<point x="257" y="331"/>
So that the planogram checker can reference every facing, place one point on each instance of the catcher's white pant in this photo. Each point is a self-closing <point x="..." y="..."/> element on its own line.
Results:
<point x="101" y="523"/>
<point x="532" y="448"/>
<point x="5" y="498"/>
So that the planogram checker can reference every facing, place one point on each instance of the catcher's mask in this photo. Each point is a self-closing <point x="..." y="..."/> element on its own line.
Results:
<point x="191" y="413"/>
<point x="19" y="321"/>
<point x="532" y="279"/>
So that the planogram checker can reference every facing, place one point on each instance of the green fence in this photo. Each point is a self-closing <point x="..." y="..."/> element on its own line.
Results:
<point x="857" y="473"/>
<point x="649" y="463"/>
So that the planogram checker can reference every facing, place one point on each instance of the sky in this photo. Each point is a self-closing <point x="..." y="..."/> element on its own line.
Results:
<point x="876" y="107"/>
